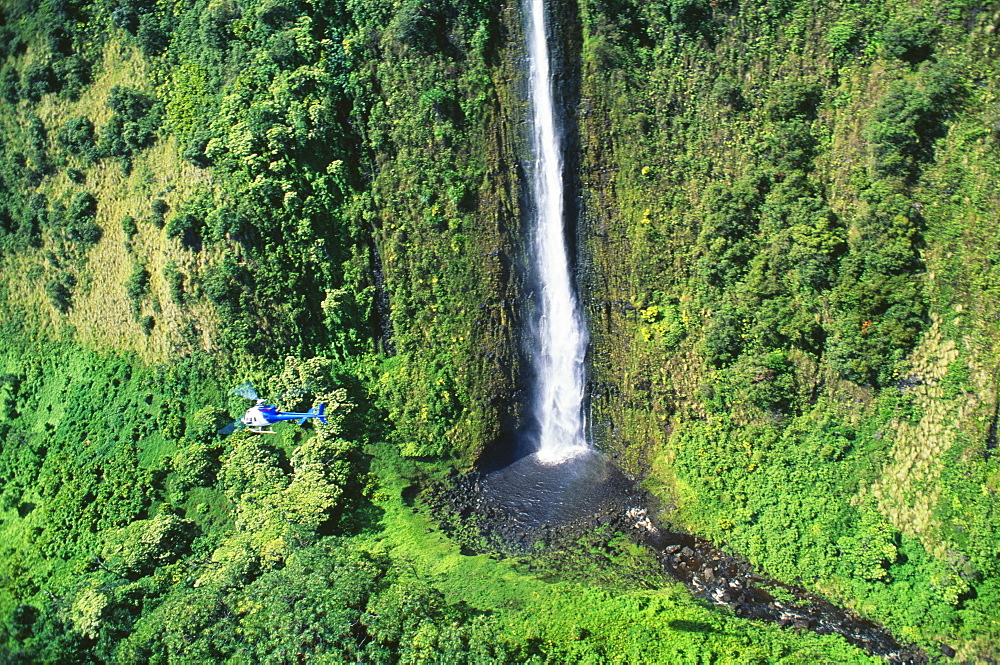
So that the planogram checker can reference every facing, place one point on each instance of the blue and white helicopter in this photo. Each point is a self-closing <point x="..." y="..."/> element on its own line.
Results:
<point x="259" y="417"/>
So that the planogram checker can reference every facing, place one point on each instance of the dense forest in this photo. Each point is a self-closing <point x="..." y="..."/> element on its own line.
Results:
<point x="785" y="235"/>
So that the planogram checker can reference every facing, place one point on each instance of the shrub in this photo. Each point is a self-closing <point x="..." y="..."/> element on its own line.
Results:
<point x="195" y="150"/>
<point x="224" y="222"/>
<point x="664" y="324"/>
<point x="130" y="104"/>
<point x="727" y="94"/>
<point x="793" y="146"/>
<point x="36" y="143"/>
<point x="82" y="207"/>
<point x="691" y="16"/>
<point x="175" y="283"/>
<point x="36" y="211"/>
<point x="224" y="282"/>
<point x="215" y="28"/>
<point x="137" y="285"/>
<point x="143" y="545"/>
<point x="77" y="136"/>
<point x="35" y="132"/>
<point x="911" y="118"/>
<point x="794" y="101"/>
<point x="72" y="74"/>
<point x="37" y="80"/>
<point x="58" y="38"/>
<point x="129" y="226"/>
<point x="152" y="37"/>
<point x="125" y="18"/>
<point x="275" y="14"/>
<point x="902" y="132"/>
<point x="731" y="222"/>
<point x="80" y="225"/>
<point x="26" y="230"/>
<point x="87" y="233"/>
<point x="843" y="38"/>
<point x="133" y="125"/>
<point x="772" y="383"/>
<point x="10" y="42"/>
<point x="60" y="291"/>
<point x="7" y="223"/>
<point x="723" y="341"/>
<point x="181" y="224"/>
<point x="910" y="38"/>
<point x="878" y="321"/>
<point x="159" y="208"/>
<point x="424" y="26"/>
<point x="10" y="88"/>
<point x="186" y="227"/>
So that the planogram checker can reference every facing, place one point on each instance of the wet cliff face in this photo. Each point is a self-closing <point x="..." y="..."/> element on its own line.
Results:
<point x="449" y="139"/>
<point x="444" y="135"/>
<point x="627" y="263"/>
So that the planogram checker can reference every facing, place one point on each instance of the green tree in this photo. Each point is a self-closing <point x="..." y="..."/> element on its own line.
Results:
<point x="142" y="546"/>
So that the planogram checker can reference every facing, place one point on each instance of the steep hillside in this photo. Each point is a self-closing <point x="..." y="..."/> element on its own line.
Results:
<point x="791" y="266"/>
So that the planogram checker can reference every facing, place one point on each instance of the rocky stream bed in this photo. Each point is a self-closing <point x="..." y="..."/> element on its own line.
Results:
<point x="530" y="507"/>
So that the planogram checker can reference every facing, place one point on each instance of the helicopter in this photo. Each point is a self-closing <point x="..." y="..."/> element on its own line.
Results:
<point x="259" y="417"/>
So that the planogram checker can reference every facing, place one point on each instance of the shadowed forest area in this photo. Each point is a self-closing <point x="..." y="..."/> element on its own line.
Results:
<point x="786" y="249"/>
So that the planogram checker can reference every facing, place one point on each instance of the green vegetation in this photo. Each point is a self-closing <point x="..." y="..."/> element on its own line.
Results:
<point x="138" y="534"/>
<point x="789" y="261"/>
<point x="807" y="189"/>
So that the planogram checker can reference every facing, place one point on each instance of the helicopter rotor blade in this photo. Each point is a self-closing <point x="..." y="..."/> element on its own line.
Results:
<point x="232" y="427"/>
<point x="245" y="390"/>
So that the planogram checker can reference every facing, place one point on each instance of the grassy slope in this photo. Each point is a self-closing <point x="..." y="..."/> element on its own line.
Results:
<point x="102" y="312"/>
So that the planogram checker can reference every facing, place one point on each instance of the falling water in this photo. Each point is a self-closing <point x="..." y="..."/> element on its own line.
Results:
<point x="560" y="335"/>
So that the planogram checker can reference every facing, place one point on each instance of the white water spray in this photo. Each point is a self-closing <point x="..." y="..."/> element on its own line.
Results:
<point x="560" y="335"/>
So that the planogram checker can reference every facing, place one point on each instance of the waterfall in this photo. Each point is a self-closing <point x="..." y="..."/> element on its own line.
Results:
<point x="560" y="337"/>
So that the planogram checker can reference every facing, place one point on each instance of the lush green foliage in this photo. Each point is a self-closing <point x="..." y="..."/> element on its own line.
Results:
<point x="802" y="187"/>
<point x="788" y="249"/>
<point x="137" y="534"/>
